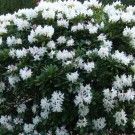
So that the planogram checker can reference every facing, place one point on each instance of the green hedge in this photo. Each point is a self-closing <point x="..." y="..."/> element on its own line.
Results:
<point x="127" y="2"/>
<point x="9" y="6"/>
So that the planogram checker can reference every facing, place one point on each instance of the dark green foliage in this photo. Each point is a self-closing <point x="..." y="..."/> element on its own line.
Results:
<point x="9" y="6"/>
<point x="127" y="2"/>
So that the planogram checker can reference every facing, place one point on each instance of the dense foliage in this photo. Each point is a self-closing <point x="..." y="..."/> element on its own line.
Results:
<point x="68" y="68"/>
<point x="10" y="6"/>
<point x="126" y="2"/>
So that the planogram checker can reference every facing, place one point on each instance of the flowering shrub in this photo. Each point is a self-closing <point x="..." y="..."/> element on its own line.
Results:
<point x="68" y="68"/>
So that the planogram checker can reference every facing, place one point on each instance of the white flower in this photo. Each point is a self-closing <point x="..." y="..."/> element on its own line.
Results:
<point x="122" y="57"/>
<point x="28" y="128"/>
<point x="101" y="37"/>
<point x="63" y="23"/>
<point x="46" y="31"/>
<point x="12" y="68"/>
<point x="82" y="123"/>
<point x="4" y="119"/>
<point x="30" y="14"/>
<point x="2" y="86"/>
<point x="45" y="105"/>
<point x="21" y="24"/>
<point x="70" y="42"/>
<point x="61" y="40"/>
<point x="84" y="96"/>
<point x="0" y="40"/>
<point x="44" y="114"/>
<point x="51" y="44"/>
<point x="133" y="123"/>
<point x="122" y="81"/>
<point x="21" y="108"/>
<point x="92" y="28"/>
<point x="51" y="54"/>
<point x="89" y="66"/>
<point x="59" y="16"/>
<point x="103" y="52"/>
<point x="64" y="55"/>
<point x="37" y="52"/>
<point x="13" y="79"/>
<point x="99" y="124"/>
<point x="11" y="40"/>
<point x="77" y="27"/>
<point x="25" y="73"/>
<point x="50" y="14"/>
<point x="20" y="53"/>
<point x="18" y="121"/>
<point x="129" y="95"/>
<point x="61" y="131"/>
<point x="83" y="110"/>
<point x="57" y="101"/>
<point x="72" y="77"/>
<point x="109" y="99"/>
<point x="12" y="53"/>
<point x="18" y="41"/>
<point x="36" y="120"/>
<point x="31" y="37"/>
<point x="79" y="63"/>
<point x="120" y="118"/>
<point x="34" y="108"/>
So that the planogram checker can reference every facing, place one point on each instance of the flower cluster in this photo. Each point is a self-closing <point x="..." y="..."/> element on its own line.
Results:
<point x="68" y="68"/>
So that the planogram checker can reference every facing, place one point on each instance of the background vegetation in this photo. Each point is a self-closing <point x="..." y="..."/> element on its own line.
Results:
<point x="127" y="2"/>
<point x="9" y="6"/>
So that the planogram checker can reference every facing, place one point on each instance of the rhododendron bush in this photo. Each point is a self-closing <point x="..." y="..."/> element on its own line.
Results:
<point x="68" y="68"/>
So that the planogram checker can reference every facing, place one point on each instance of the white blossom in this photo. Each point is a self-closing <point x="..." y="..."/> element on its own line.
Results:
<point x="103" y="52"/>
<point x="120" y="118"/>
<point x="82" y="123"/>
<point x="61" y="131"/>
<point x="0" y="40"/>
<point x="70" y="42"/>
<point x="13" y="79"/>
<point x="126" y="96"/>
<point x="2" y="86"/>
<point x="133" y="123"/>
<point x="50" y="14"/>
<point x="64" y="55"/>
<point x="83" y="111"/>
<point x="72" y="77"/>
<point x="63" y="23"/>
<point x="99" y="124"/>
<point x="36" y="120"/>
<point x="57" y="101"/>
<point x="109" y="99"/>
<point x="51" y="44"/>
<point x="21" y="24"/>
<point x="25" y="73"/>
<point x="11" y="40"/>
<point x="89" y="66"/>
<point x="20" y="53"/>
<point x="61" y="40"/>
<point x="84" y="95"/>
<point x="121" y="57"/>
<point x="122" y="81"/>
<point x="21" y="108"/>
<point x="28" y="128"/>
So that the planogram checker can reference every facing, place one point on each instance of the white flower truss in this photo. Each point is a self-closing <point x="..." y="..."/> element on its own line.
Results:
<point x="84" y="95"/>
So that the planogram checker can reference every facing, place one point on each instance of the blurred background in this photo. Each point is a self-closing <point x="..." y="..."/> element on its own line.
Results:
<point x="9" y="6"/>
